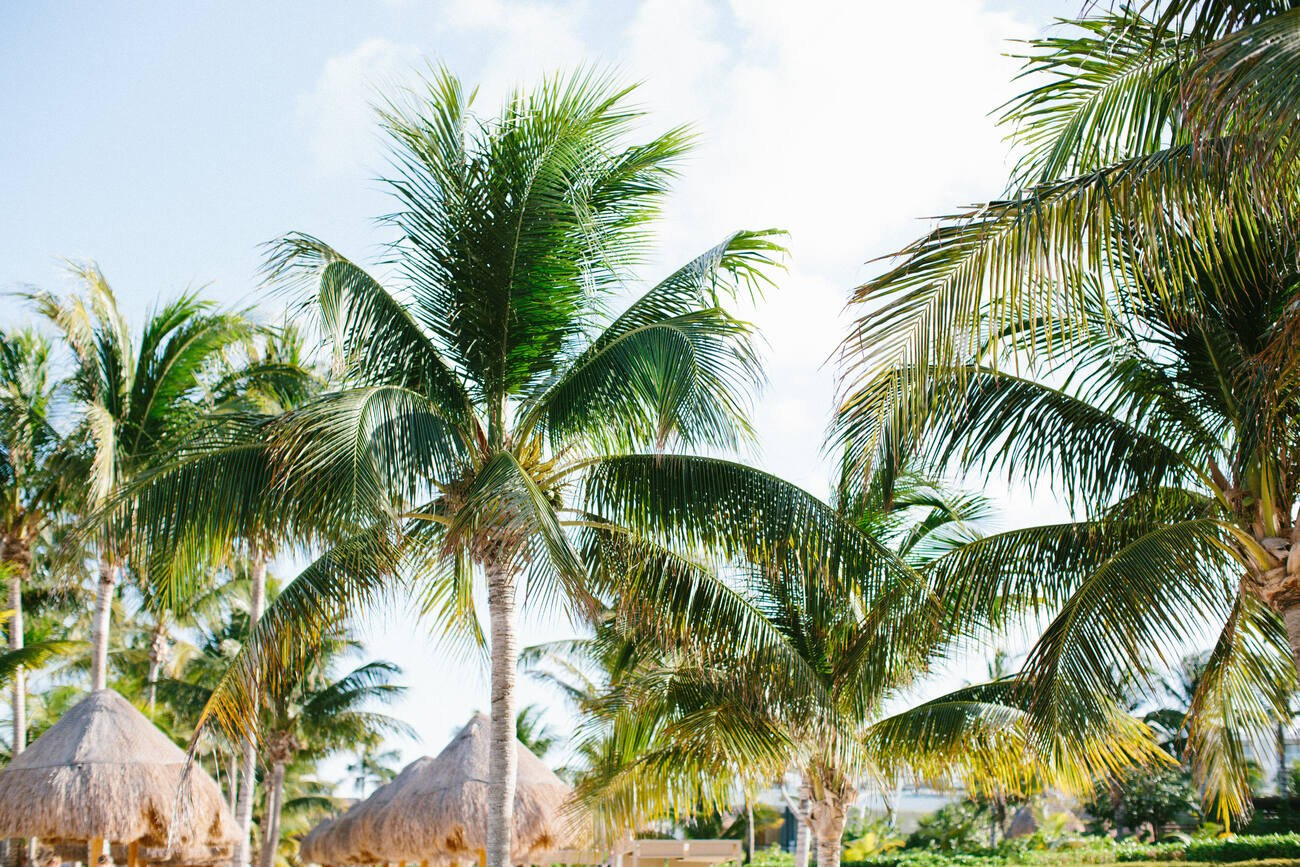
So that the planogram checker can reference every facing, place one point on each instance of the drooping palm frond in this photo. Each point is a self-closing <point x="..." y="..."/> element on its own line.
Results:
<point x="677" y="500"/>
<point x="1106" y="92"/>
<point x="673" y="364"/>
<point x="1241" y="697"/>
<point x="1243" y="86"/>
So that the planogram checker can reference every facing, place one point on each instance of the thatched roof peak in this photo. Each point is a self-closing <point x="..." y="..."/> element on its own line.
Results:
<point x="101" y="729"/>
<point x="441" y="805"/>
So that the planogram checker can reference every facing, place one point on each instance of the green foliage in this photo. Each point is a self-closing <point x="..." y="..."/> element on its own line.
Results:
<point x="870" y="838"/>
<point x="958" y="827"/>
<point x="1158" y="796"/>
<point x="772" y="856"/>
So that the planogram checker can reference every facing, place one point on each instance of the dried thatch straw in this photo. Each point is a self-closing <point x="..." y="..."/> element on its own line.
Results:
<point x="311" y="848"/>
<point x="441" y="806"/>
<point x="104" y="770"/>
<point x="352" y="839"/>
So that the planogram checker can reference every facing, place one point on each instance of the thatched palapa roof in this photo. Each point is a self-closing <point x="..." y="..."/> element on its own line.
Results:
<point x="441" y="805"/>
<point x="104" y="770"/>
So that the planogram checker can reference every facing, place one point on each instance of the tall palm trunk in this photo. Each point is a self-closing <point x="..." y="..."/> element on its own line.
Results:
<point x="244" y="805"/>
<point x="274" y="807"/>
<point x="501" y="586"/>
<point x="157" y="653"/>
<point x="99" y="626"/>
<point x="16" y="555"/>
<point x="830" y="838"/>
<point x="232" y="783"/>
<point x="749" y="830"/>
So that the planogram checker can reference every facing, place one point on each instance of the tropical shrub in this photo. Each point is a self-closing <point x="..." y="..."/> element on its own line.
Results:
<point x="957" y="827"/>
<point x="1158" y="796"/>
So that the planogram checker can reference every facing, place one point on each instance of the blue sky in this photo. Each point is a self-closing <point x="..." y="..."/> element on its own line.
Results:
<point x="167" y="141"/>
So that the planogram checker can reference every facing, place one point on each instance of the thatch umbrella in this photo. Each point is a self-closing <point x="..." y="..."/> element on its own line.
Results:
<point x="441" y="806"/>
<point x="105" y="773"/>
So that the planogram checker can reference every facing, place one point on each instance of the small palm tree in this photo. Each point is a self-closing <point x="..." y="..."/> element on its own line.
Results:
<point x="322" y="715"/>
<point x="693" y="728"/>
<point x="32" y="485"/>
<point x="373" y="765"/>
<point x="137" y="397"/>
<point x="533" y="732"/>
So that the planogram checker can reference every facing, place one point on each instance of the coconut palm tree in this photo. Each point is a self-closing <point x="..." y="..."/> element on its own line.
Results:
<point x="532" y="731"/>
<point x="496" y="417"/>
<point x="225" y="444"/>
<point x="32" y="483"/>
<point x="692" y="729"/>
<point x="137" y="398"/>
<point x="1120" y="327"/>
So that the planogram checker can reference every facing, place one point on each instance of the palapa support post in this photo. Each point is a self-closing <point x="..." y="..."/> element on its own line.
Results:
<point x="96" y="850"/>
<point x="133" y="854"/>
<point x="424" y="864"/>
<point x="482" y="858"/>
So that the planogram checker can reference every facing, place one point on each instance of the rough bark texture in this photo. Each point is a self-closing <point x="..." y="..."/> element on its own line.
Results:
<point x="274" y="807"/>
<point x="244" y="804"/>
<point x="99" y="626"/>
<point x="157" y="655"/>
<point x="1291" y="618"/>
<point x="502" y="769"/>
<point x="828" y="815"/>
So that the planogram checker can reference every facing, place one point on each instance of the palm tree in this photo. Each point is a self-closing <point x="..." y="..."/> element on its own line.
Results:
<point x="137" y="399"/>
<point x="495" y="418"/>
<point x="322" y="715"/>
<point x="372" y="766"/>
<point x="1122" y="327"/>
<point x="533" y="732"/>
<point x="31" y="483"/>
<point x="694" y="728"/>
<point x="226" y="445"/>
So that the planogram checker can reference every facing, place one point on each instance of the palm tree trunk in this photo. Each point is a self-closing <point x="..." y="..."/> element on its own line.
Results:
<point x="828" y="817"/>
<point x="802" y="830"/>
<point x="99" y="626"/>
<point x="1282" y="781"/>
<point x="274" y="806"/>
<point x="749" y="830"/>
<point x="157" y="647"/>
<point x="244" y="806"/>
<point x="232" y="782"/>
<point x="1291" y="619"/>
<point x="501" y="587"/>
<point x="18" y="570"/>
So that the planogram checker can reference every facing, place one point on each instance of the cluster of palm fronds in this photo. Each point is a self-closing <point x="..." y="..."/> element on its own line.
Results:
<point x="69" y="445"/>
<point x="1120" y="327"/>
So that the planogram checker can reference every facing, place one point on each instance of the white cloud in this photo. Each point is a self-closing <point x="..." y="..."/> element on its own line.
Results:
<point x="842" y="123"/>
<point x="338" y="112"/>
